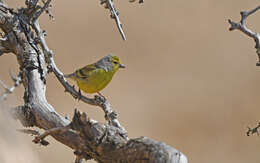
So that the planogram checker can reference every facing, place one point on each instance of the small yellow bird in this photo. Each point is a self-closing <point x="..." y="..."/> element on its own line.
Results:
<point x="94" y="77"/>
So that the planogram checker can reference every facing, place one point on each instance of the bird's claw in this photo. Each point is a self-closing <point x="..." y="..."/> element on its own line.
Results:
<point x="101" y="95"/>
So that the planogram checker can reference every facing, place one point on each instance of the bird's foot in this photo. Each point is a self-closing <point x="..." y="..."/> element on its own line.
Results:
<point x="101" y="95"/>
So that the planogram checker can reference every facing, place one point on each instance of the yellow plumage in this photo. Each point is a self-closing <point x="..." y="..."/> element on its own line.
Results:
<point x="95" y="77"/>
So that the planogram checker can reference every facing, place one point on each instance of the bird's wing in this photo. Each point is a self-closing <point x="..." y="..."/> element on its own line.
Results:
<point x="86" y="71"/>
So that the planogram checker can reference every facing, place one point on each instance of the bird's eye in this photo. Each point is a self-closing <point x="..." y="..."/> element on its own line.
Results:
<point x="115" y="62"/>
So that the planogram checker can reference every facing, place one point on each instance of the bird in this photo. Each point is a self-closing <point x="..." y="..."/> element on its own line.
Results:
<point x="94" y="77"/>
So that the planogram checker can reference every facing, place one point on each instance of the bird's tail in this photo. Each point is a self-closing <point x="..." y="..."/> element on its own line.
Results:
<point x="72" y="76"/>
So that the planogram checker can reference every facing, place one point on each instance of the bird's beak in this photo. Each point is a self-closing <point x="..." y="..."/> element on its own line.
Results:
<point x="121" y="66"/>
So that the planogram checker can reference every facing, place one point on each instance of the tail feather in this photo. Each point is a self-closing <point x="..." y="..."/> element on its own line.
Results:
<point x="69" y="75"/>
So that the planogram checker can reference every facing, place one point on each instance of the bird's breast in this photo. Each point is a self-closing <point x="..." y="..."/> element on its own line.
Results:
<point x="96" y="81"/>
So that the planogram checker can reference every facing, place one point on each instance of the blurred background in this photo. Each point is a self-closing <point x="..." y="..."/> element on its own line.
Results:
<point x="189" y="82"/>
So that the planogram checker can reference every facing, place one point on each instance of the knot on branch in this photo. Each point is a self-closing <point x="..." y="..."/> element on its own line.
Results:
<point x="30" y="60"/>
<point x="93" y="131"/>
<point x="111" y="116"/>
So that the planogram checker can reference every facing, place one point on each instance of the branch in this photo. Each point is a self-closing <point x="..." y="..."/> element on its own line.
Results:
<point x="34" y="133"/>
<point x="111" y="147"/>
<point x="140" y="1"/>
<point x="45" y="7"/>
<point x="59" y="130"/>
<point x="114" y="15"/>
<point x="252" y="131"/>
<point x="242" y="27"/>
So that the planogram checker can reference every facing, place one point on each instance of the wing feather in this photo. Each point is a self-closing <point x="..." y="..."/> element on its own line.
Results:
<point x="85" y="72"/>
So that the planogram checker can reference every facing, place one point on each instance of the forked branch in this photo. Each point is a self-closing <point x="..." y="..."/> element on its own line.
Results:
<point x="243" y="28"/>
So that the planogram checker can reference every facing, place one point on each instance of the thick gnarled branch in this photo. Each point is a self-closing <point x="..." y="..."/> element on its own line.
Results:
<point x="107" y="142"/>
<point x="242" y="27"/>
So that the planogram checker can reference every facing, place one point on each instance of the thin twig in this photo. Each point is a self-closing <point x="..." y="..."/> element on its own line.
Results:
<point x="53" y="131"/>
<point x="140" y="1"/>
<point x="254" y="130"/>
<point x="29" y="131"/>
<point x="34" y="133"/>
<point x="242" y="27"/>
<point x="44" y="8"/>
<point x="114" y="15"/>
<point x="17" y="81"/>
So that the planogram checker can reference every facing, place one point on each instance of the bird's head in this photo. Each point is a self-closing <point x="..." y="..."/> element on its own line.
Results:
<point x="110" y="63"/>
<point x="116" y="62"/>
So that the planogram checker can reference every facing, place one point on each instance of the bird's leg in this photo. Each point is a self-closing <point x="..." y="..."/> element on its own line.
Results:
<point x="80" y="95"/>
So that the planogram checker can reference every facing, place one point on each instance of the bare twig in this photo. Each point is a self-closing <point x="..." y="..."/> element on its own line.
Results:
<point x="242" y="27"/>
<point x="17" y="81"/>
<point x="58" y="130"/>
<point x="42" y="9"/>
<point x="114" y="15"/>
<point x="254" y="130"/>
<point x="34" y="133"/>
<point x="29" y="131"/>
<point x="140" y="1"/>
